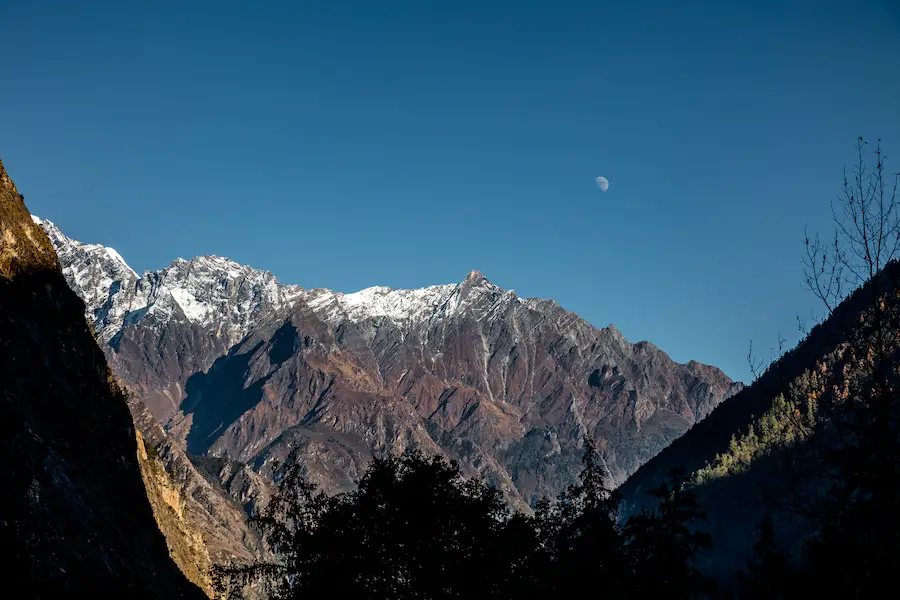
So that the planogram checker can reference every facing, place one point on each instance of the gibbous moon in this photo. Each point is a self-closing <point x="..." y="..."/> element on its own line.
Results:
<point x="603" y="183"/>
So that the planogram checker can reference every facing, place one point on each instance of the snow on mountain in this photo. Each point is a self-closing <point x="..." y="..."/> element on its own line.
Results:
<point x="401" y="306"/>
<point x="222" y="295"/>
<point x="211" y="291"/>
<point x="90" y="269"/>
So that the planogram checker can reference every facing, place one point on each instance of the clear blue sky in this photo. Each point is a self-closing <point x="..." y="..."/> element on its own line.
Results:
<point x="350" y="144"/>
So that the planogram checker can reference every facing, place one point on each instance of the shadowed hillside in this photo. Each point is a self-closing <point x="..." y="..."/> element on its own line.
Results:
<point x="712" y="435"/>
<point x="76" y="519"/>
<point x="738" y="454"/>
<point x="801" y="470"/>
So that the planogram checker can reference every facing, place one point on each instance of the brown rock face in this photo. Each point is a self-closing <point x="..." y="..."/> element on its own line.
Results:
<point x="186" y="544"/>
<point x="76" y="520"/>
<point x="23" y="245"/>
<point x="506" y="386"/>
<point x="202" y="524"/>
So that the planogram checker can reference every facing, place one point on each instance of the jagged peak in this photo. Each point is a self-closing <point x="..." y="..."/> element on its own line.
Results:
<point x="49" y="226"/>
<point x="62" y="242"/>
<point x="220" y="264"/>
<point x="399" y="305"/>
<point x="612" y="329"/>
<point x="46" y="223"/>
<point x="476" y="278"/>
<point x="188" y="283"/>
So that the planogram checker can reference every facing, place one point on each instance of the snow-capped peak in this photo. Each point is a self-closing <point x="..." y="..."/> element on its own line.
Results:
<point x="115" y="256"/>
<point x="401" y="306"/>
<point x="210" y="291"/>
<point x="89" y="268"/>
<point x="228" y="298"/>
<point x="409" y="307"/>
<point x="66" y="245"/>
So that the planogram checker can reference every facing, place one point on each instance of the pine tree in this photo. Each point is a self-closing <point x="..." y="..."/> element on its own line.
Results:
<point x="662" y="543"/>
<point x="582" y="532"/>
<point x="768" y="576"/>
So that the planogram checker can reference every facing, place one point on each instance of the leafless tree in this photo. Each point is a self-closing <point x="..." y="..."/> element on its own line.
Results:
<point x="866" y="236"/>
<point x="860" y="381"/>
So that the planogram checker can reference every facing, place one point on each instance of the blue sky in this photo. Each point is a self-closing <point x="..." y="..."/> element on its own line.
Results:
<point x="350" y="144"/>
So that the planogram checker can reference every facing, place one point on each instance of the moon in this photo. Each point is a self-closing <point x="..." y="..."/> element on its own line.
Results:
<point x="603" y="183"/>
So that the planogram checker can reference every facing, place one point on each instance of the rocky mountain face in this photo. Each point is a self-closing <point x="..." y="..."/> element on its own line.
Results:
<point x="165" y="326"/>
<point x="76" y="519"/>
<point x="236" y="365"/>
<point x="203" y="524"/>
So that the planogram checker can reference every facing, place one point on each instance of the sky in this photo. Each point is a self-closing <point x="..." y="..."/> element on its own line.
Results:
<point x="351" y="144"/>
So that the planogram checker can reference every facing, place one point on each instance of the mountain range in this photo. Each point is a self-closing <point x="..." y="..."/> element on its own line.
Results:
<point x="236" y="366"/>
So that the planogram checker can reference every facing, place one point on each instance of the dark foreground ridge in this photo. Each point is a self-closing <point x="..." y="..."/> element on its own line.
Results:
<point x="76" y="519"/>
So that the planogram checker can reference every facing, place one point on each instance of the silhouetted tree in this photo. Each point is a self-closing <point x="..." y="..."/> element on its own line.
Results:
<point x="580" y="533"/>
<point x="663" y="543"/>
<point x="768" y="576"/>
<point x="527" y="558"/>
<point x="289" y="525"/>
<point x="413" y="528"/>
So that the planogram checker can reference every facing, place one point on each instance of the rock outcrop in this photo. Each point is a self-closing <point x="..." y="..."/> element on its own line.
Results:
<point x="202" y="524"/>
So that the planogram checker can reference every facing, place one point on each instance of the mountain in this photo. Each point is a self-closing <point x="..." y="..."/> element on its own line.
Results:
<point x="165" y="326"/>
<point x="748" y="458"/>
<point x="76" y="519"/>
<point x="202" y="522"/>
<point x="234" y="364"/>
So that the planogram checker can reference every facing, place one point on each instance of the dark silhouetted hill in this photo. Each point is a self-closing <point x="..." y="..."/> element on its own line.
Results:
<point x="75" y="516"/>
<point x="738" y="454"/>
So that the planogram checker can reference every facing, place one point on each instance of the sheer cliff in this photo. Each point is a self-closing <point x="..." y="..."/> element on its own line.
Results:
<point x="76" y="519"/>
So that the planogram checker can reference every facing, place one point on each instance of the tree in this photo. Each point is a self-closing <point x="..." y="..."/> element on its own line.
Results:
<point x="768" y="576"/>
<point x="413" y="528"/>
<point x="581" y="533"/>
<point x="527" y="557"/>
<point x="662" y="544"/>
<point x="289" y="525"/>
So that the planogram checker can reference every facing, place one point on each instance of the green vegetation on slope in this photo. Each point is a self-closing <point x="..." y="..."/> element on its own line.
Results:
<point x="789" y="421"/>
<point x="800" y="472"/>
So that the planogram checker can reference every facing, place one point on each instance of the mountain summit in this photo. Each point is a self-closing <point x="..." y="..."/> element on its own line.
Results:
<point x="234" y="363"/>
